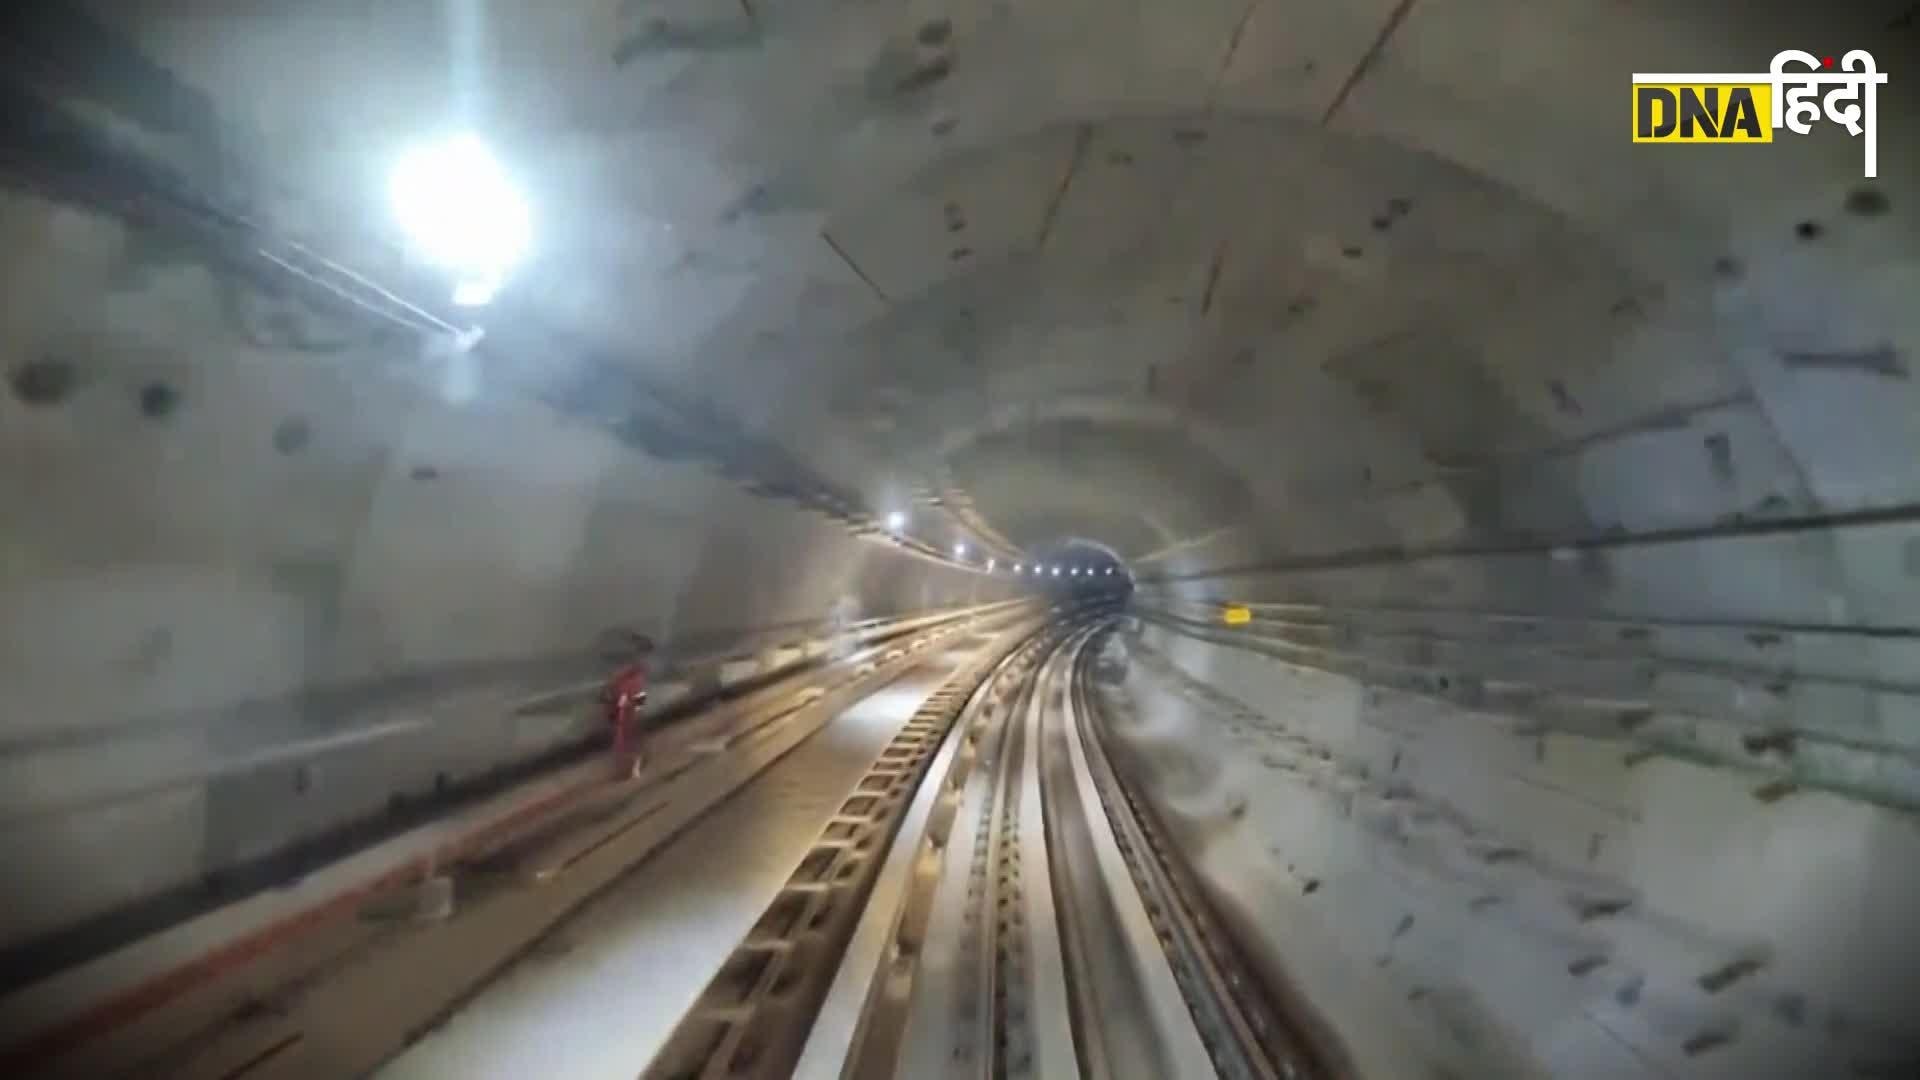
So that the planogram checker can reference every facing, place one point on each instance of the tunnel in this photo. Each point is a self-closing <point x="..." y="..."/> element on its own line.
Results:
<point x="1257" y="538"/>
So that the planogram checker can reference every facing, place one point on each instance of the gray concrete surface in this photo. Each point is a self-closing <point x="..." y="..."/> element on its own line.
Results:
<point x="1374" y="298"/>
<point x="1459" y="898"/>
<point x="601" y="995"/>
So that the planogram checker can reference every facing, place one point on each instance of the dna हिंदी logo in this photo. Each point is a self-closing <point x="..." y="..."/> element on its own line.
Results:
<point x="1694" y="108"/>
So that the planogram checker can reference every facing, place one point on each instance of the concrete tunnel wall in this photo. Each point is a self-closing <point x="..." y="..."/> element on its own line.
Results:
<point x="1374" y="298"/>
<point x="1468" y="884"/>
<point x="212" y="550"/>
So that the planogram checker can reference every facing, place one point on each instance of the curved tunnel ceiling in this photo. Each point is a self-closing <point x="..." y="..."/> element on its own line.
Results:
<point x="1326" y="261"/>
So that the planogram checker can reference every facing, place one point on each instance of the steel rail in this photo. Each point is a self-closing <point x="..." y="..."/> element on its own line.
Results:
<point x="1247" y="1030"/>
<point x="1058" y="942"/>
<point x="1133" y="1015"/>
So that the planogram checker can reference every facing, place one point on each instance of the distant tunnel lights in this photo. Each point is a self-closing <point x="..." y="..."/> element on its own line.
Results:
<point x="897" y="520"/>
<point x="461" y="213"/>
<point x="959" y="551"/>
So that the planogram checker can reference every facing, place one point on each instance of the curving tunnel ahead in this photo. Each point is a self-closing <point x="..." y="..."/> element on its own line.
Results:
<point x="1563" y="487"/>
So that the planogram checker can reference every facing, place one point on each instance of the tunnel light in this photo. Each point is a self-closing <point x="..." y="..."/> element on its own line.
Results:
<point x="959" y="551"/>
<point x="1018" y="569"/>
<point x="475" y="292"/>
<point x="991" y="564"/>
<point x="897" y="520"/>
<point x="1056" y="571"/>
<point x="1109" y="570"/>
<point x="461" y="213"/>
<point x="1075" y="571"/>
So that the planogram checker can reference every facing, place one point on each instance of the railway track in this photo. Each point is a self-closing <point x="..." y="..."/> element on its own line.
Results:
<point x="1015" y="912"/>
<point x="984" y="897"/>
<point x="345" y="973"/>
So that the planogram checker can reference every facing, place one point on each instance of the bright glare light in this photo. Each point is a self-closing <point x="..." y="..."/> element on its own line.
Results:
<point x="1109" y="569"/>
<point x="1056" y="571"/>
<point x="897" y="520"/>
<point x="475" y="292"/>
<point x="1075" y="571"/>
<point x="991" y="563"/>
<point x="461" y="213"/>
<point x="1018" y="569"/>
<point x="959" y="551"/>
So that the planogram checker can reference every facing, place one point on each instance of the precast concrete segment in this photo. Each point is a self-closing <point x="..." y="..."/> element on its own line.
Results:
<point x="939" y="1033"/>
<point x="248" y="942"/>
<point x="863" y="1021"/>
<point x="753" y="1016"/>
<point x="1742" y="720"/>
<point x="605" y="987"/>
<point x="858" y="1031"/>
<point x="450" y="962"/>
<point x="395" y="987"/>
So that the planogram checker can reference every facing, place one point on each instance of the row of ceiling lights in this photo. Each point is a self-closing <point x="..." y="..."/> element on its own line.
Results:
<point x="897" y="521"/>
<point x="1072" y="571"/>
<point x="960" y="552"/>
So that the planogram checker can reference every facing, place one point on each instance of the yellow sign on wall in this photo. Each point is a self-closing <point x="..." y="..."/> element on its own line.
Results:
<point x="1237" y="615"/>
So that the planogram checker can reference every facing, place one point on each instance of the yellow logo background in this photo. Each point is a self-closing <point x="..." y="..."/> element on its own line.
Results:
<point x="1688" y="97"/>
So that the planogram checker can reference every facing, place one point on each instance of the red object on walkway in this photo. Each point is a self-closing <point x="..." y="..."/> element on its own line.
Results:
<point x="626" y="692"/>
